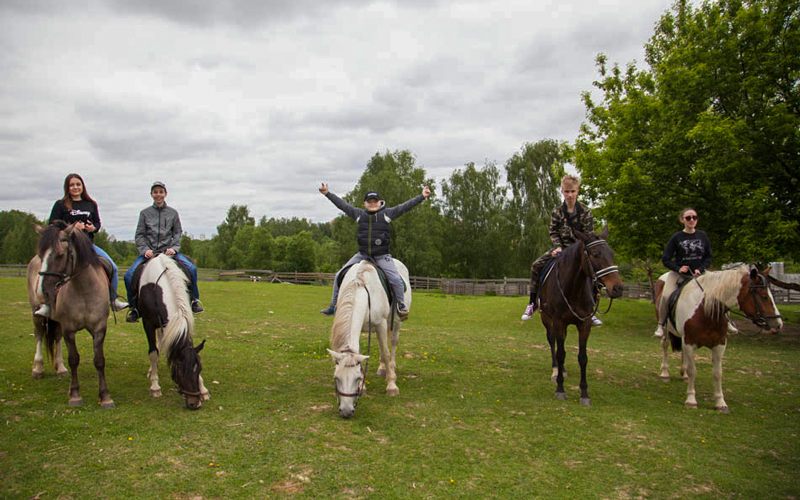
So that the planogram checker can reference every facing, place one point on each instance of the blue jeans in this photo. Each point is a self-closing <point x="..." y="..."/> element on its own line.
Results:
<point x="112" y="284"/>
<point x="386" y="263"/>
<point x="186" y="261"/>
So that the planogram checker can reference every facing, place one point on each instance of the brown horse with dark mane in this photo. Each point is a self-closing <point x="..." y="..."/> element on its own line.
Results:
<point x="68" y="271"/>
<point x="568" y="297"/>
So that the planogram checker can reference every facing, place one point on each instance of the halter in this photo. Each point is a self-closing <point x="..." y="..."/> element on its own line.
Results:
<point x="594" y="275"/>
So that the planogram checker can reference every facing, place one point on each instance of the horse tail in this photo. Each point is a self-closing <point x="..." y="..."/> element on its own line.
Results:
<point x="52" y="334"/>
<point x="677" y="343"/>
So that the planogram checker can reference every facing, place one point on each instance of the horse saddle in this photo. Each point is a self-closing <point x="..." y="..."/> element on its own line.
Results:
<point x="106" y="266"/>
<point x="672" y="302"/>
<point x="546" y="269"/>
<point x="137" y="274"/>
<point x="381" y="276"/>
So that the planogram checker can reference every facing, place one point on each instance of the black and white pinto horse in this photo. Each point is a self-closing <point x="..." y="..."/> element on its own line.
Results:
<point x="168" y="321"/>
<point x="701" y="318"/>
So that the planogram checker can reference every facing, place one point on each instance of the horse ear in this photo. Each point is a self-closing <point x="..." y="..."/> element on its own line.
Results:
<point x="581" y="236"/>
<point x="337" y="356"/>
<point x="753" y="273"/>
<point x="361" y="357"/>
<point x="69" y="229"/>
<point x="39" y="229"/>
<point x="604" y="234"/>
<point x="766" y="271"/>
<point x="200" y="346"/>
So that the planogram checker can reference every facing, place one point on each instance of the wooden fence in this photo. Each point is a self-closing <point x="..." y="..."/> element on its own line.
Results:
<point x="504" y="286"/>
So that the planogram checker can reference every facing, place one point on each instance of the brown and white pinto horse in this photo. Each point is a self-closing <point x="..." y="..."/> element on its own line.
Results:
<point x="701" y="318"/>
<point x="67" y="268"/>
<point x="567" y="297"/>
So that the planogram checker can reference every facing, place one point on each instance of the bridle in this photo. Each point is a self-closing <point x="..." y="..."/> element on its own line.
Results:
<point x="759" y="318"/>
<point x="64" y="278"/>
<point x="594" y="275"/>
<point x="365" y="367"/>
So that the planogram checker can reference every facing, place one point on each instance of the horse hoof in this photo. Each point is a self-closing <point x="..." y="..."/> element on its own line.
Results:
<point x="37" y="375"/>
<point x="393" y="392"/>
<point x="561" y="396"/>
<point x="76" y="402"/>
<point x="62" y="374"/>
<point x="156" y="393"/>
<point x="107" y="405"/>
<point x="691" y="406"/>
<point x="586" y="402"/>
<point x="723" y="409"/>
<point x="381" y="372"/>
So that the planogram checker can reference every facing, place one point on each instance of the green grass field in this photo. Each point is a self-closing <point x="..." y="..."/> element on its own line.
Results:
<point x="476" y="416"/>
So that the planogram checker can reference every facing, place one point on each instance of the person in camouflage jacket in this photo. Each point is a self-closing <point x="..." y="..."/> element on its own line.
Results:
<point x="571" y="215"/>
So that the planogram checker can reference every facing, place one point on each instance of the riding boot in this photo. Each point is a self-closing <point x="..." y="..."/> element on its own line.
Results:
<point x="43" y="311"/>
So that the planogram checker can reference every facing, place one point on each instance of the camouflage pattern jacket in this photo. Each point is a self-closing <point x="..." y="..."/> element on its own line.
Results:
<point x="563" y="223"/>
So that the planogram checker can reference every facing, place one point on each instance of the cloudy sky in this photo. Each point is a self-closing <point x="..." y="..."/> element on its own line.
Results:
<point x="256" y="101"/>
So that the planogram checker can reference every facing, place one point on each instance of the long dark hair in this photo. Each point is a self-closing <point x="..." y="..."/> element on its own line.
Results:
<point x="67" y="199"/>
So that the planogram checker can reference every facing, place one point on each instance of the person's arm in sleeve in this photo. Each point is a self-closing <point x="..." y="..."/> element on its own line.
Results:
<point x="141" y="235"/>
<point x="395" y="212"/>
<point x="342" y="205"/>
<point x="177" y="232"/>
<point x="57" y="212"/>
<point x="667" y="257"/>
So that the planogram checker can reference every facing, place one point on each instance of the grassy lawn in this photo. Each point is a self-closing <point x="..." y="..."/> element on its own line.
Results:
<point x="476" y="415"/>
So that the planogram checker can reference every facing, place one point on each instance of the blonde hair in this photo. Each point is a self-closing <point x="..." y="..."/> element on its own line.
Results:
<point x="570" y="180"/>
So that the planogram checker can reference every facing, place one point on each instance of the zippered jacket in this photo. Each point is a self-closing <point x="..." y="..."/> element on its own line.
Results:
<point x="159" y="228"/>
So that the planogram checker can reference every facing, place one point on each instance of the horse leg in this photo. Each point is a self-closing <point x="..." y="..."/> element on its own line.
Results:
<point x="583" y="360"/>
<point x="382" y="340"/>
<point x="38" y="358"/>
<point x="553" y="359"/>
<point x="74" y="360"/>
<point x="204" y="394"/>
<point x="561" y="355"/>
<point x="152" y="375"/>
<point x="98" y="337"/>
<point x="58" y="361"/>
<point x="691" y="370"/>
<point x="391" y="374"/>
<point x="665" y="358"/>
<point x="393" y="352"/>
<point x="717" y="353"/>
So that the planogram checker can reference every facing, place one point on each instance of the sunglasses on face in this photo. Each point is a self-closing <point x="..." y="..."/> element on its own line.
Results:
<point x="690" y="217"/>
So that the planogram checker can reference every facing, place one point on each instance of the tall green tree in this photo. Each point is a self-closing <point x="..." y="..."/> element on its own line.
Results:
<point x="478" y="229"/>
<point x="713" y="124"/>
<point x="18" y="239"/>
<point x="534" y="175"/>
<point x="237" y="218"/>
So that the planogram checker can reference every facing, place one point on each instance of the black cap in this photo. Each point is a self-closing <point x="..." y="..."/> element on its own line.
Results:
<point x="158" y="184"/>
<point x="372" y="195"/>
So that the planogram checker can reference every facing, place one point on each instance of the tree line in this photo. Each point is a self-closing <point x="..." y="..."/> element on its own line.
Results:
<point x="711" y="123"/>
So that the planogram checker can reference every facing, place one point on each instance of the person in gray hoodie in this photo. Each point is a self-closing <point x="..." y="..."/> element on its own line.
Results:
<point x="159" y="231"/>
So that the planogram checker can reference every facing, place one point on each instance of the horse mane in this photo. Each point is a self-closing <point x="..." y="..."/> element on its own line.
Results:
<point x="721" y="288"/>
<point x="340" y="332"/>
<point x="84" y="249"/>
<point x="50" y="236"/>
<point x="179" y="328"/>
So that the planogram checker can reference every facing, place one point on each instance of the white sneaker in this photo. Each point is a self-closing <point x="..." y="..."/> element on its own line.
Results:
<point x="528" y="314"/>
<point x="596" y="321"/>
<point x="659" y="331"/>
<point x="43" y="311"/>
<point x="118" y="305"/>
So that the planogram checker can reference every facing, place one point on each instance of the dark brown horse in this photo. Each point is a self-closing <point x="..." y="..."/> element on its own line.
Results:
<point x="567" y="297"/>
<point x="69" y="271"/>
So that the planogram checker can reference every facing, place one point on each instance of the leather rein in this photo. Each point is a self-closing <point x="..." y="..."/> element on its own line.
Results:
<point x="596" y="283"/>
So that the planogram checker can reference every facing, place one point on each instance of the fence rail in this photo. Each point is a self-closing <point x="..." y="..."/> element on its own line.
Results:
<point x="452" y="286"/>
